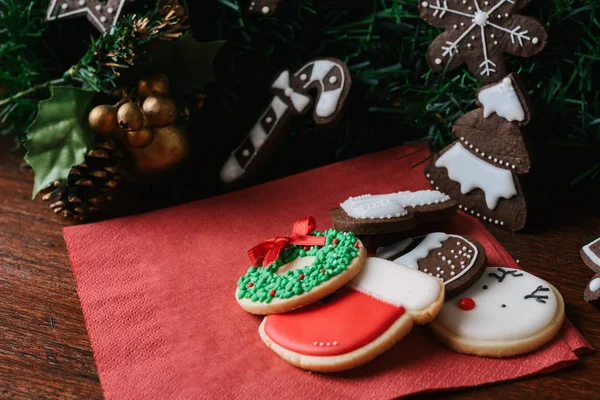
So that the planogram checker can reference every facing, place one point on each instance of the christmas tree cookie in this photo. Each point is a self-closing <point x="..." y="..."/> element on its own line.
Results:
<point x="394" y="212"/>
<point x="590" y="254"/>
<point x="457" y="260"/>
<point x="481" y="170"/>
<point x="291" y="272"/>
<point x="507" y="312"/>
<point x="358" y="323"/>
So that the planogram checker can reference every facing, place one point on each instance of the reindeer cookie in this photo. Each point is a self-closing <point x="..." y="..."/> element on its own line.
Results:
<point x="389" y="213"/>
<point x="457" y="260"/>
<point x="293" y="271"/>
<point x="507" y="312"/>
<point x="359" y="322"/>
<point x="329" y="78"/>
<point x="590" y="254"/>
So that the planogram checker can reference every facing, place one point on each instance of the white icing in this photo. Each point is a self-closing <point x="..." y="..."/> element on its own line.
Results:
<point x="299" y="100"/>
<point x="520" y="318"/>
<point x="328" y="100"/>
<point x="265" y="10"/>
<point x="502" y="100"/>
<point x="595" y="284"/>
<point x="396" y="248"/>
<point x="398" y="285"/>
<point x="471" y="172"/>
<point x="392" y="205"/>
<point x="231" y="170"/>
<point x="587" y="249"/>
<point x="430" y="242"/>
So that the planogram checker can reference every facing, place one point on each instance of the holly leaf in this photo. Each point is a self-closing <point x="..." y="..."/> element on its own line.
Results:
<point x="59" y="137"/>
<point x="187" y="62"/>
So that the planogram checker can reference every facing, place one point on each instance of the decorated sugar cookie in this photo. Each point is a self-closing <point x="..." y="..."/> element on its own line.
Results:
<point x="507" y="312"/>
<point x="481" y="170"/>
<point x="321" y="85"/>
<point x="590" y="254"/>
<point x="359" y="322"/>
<point x="395" y="212"/>
<point x="291" y="272"/>
<point x="478" y="33"/>
<point x="457" y="260"/>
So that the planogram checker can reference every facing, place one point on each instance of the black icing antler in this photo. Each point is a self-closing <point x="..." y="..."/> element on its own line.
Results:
<point x="538" y="298"/>
<point x="514" y="273"/>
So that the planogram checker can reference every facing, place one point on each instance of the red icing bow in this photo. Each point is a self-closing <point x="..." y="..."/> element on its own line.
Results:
<point x="268" y="251"/>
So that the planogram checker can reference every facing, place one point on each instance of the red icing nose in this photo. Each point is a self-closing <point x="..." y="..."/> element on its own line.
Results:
<point x="466" y="304"/>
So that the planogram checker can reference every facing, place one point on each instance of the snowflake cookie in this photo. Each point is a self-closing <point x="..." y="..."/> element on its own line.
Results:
<point x="478" y="32"/>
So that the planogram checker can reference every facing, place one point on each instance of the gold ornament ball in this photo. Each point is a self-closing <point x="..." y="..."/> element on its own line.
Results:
<point x="157" y="83"/>
<point x="130" y="116"/>
<point x="140" y="138"/>
<point x="103" y="119"/>
<point x="169" y="148"/>
<point x="160" y="110"/>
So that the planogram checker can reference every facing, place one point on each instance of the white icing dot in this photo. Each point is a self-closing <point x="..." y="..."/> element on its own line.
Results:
<point x="328" y="344"/>
<point x="460" y="252"/>
<point x="321" y="344"/>
<point x="398" y="215"/>
<point x="472" y="212"/>
<point x="466" y="209"/>
<point x="265" y="10"/>
<point x="487" y="3"/>
<point x="489" y="157"/>
<point x="452" y="273"/>
<point x="425" y="270"/>
<point x="431" y="182"/>
<point x="482" y="154"/>
<point x="335" y="343"/>
<point x="495" y="160"/>
<point x="495" y="42"/>
<point x="501" y="222"/>
<point x="460" y="207"/>
<point x="437" y="275"/>
<point x="64" y="6"/>
<point x="442" y="272"/>
<point x="500" y="162"/>
<point x="438" y="61"/>
<point x="430" y="274"/>
<point x="464" y="1"/>
<point x="464" y="248"/>
<point x="110" y="10"/>
<point x="466" y="142"/>
<point x="455" y="26"/>
<point x="439" y="254"/>
<point x="452" y="266"/>
<point x="462" y="267"/>
<point x="469" y="8"/>
<point x="470" y="146"/>
<point x="458" y="243"/>
<point x="438" y="268"/>
<point x="492" y="36"/>
<point x="449" y="262"/>
<point x="535" y="40"/>
<point x="428" y="175"/>
<point x="470" y="250"/>
<point x="102" y="19"/>
<point x="425" y="4"/>
<point x="462" y="262"/>
<point x="462" y="24"/>
<point x="444" y="258"/>
<point x="288" y="92"/>
<point x="98" y="7"/>
<point x="473" y="37"/>
<point x="437" y="188"/>
<point x="469" y="45"/>
<point x="499" y="16"/>
<point x="514" y="166"/>
<point x="81" y="2"/>
<point x="476" y="150"/>
<point x="246" y="153"/>
<point x="333" y="79"/>
<point x="303" y="77"/>
<point x="496" y="222"/>
<point x="484" y="218"/>
<point x="455" y="257"/>
<point x="462" y="138"/>
<point x="478" y="215"/>
<point x="268" y="120"/>
<point x="506" y="15"/>
<point x="451" y="251"/>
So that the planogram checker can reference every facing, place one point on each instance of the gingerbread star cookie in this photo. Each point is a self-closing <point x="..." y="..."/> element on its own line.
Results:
<point x="457" y="260"/>
<point x="361" y="321"/>
<point x="479" y="32"/>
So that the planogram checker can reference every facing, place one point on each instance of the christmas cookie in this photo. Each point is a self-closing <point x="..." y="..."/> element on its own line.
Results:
<point x="321" y="85"/>
<point x="457" y="260"/>
<point x="507" y="312"/>
<point x="479" y="32"/>
<point x="394" y="212"/>
<point x="590" y="254"/>
<point x="481" y="170"/>
<point x="377" y="309"/>
<point x="291" y="272"/>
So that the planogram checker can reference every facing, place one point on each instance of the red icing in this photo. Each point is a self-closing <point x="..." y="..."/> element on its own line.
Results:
<point x="322" y="269"/>
<point x="301" y="276"/>
<point x="356" y="244"/>
<point x="466" y="304"/>
<point x="335" y="241"/>
<point x="306" y="248"/>
<point x="272" y="292"/>
<point x="250" y="284"/>
<point x="349" y="322"/>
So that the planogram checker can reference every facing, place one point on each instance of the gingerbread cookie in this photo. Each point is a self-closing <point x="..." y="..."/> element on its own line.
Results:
<point x="507" y="312"/>
<point x="590" y="254"/>
<point x="102" y="14"/>
<point x="329" y="78"/>
<point x="457" y="260"/>
<point x="361" y="321"/>
<point x="291" y="272"/>
<point x="479" y="32"/>
<point x="481" y="170"/>
<point x="394" y="212"/>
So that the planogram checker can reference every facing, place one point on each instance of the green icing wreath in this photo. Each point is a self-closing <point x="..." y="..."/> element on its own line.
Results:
<point x="262" y="284"/>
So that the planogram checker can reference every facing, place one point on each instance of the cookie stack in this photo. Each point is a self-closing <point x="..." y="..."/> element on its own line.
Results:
<point x="333" y="303"/>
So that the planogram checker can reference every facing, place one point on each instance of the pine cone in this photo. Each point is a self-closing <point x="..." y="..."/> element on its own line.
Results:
<point x="89" y="185"/>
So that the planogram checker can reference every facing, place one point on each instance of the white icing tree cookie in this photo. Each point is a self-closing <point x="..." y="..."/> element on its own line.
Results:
<point x="507" y="312"/>
<point x="479" y="32"/>
<point x="481" y="170"/>
<point x="359" y="322"/>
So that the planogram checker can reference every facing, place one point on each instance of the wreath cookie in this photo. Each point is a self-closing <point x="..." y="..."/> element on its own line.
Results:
<point x="291" y="272"/>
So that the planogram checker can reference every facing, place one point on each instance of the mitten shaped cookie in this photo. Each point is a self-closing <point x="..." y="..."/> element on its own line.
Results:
<point x="377" y="309"/>
<point x="457" y="260"/>
<point x="389" y="213"/>
<point x="481" y="170"/>
<point x="590" y="254"/>
<point x="507" y="312"/>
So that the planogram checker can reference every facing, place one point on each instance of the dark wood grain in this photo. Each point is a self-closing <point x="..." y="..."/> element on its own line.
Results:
<point x="45" y="351"/>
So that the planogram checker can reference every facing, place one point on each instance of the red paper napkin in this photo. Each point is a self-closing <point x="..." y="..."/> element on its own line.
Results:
<point x="157" y="292"/>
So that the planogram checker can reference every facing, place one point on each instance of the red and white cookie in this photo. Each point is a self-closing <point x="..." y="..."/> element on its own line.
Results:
<point x="361" y="321"/>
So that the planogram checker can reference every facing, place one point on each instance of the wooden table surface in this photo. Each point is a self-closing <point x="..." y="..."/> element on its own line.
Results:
<point x="45" y="351"/>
